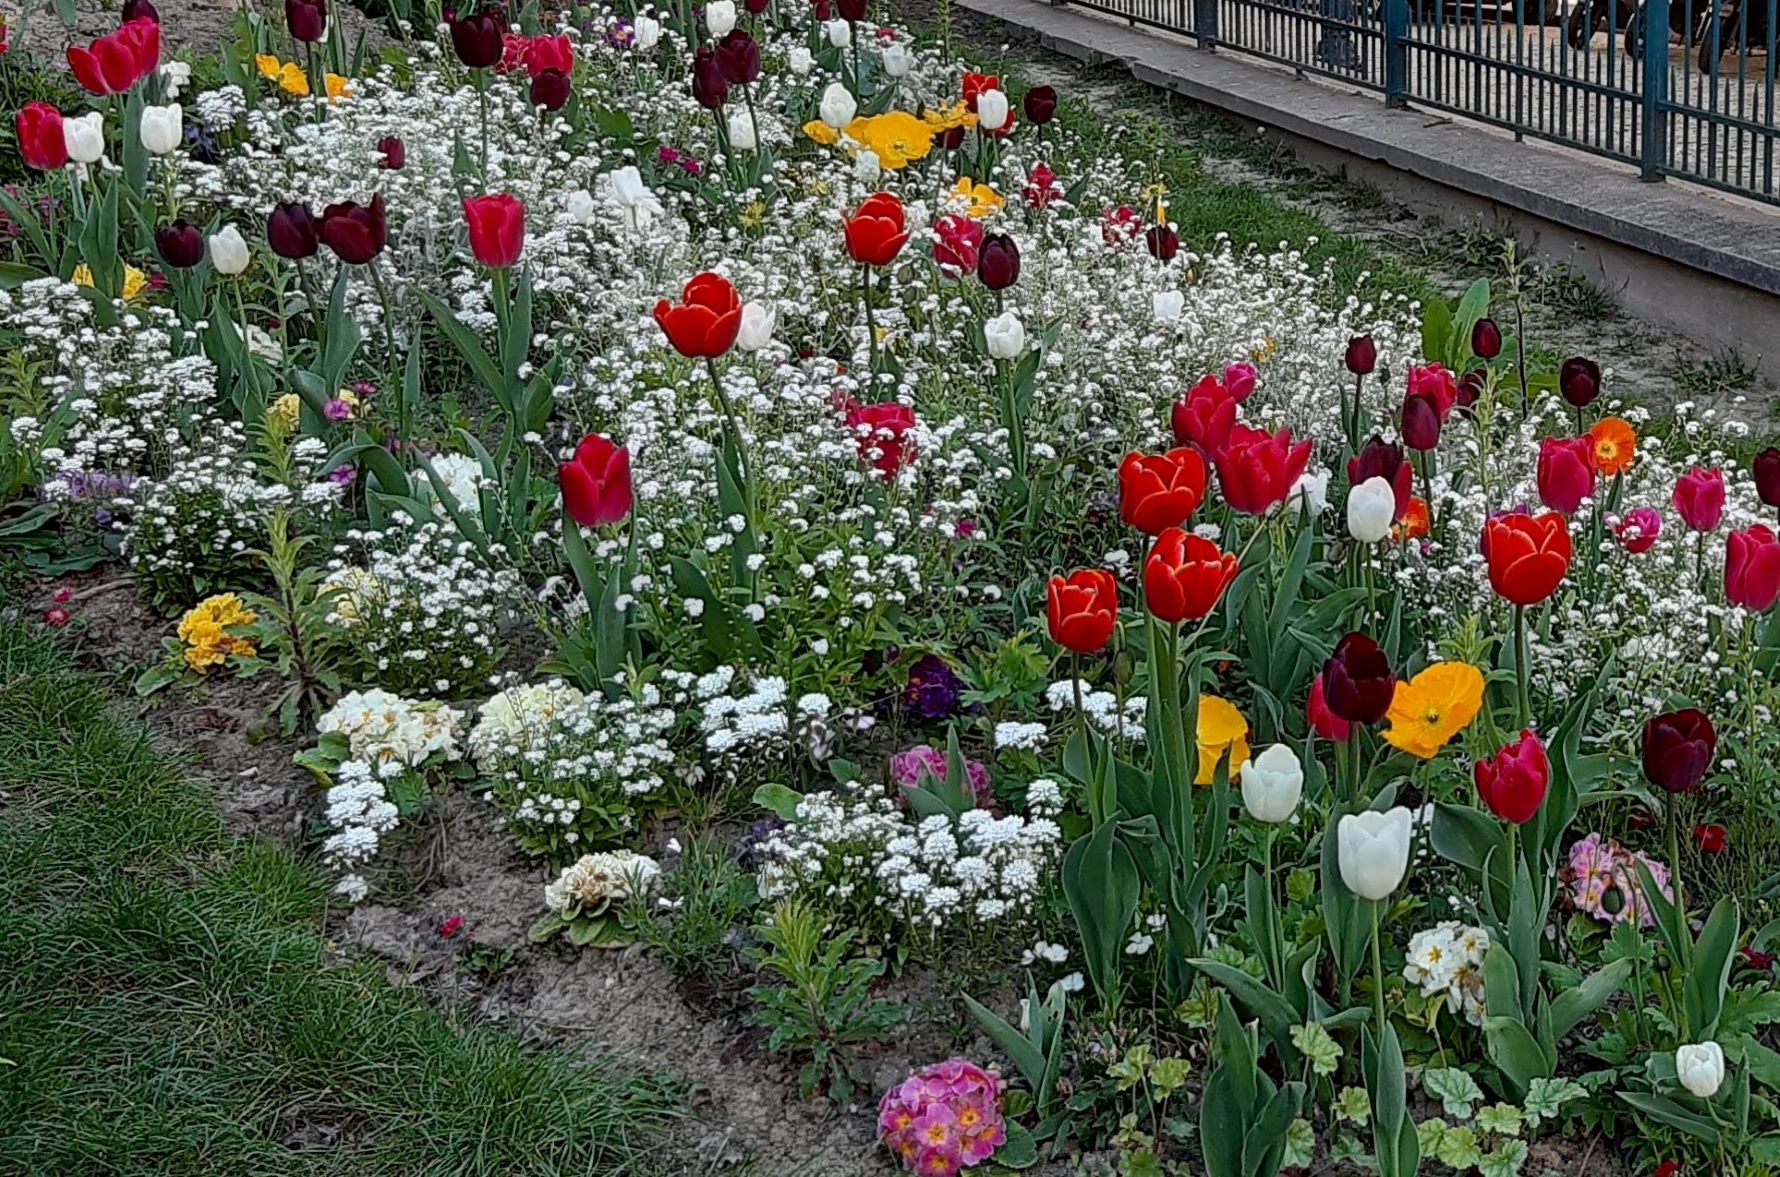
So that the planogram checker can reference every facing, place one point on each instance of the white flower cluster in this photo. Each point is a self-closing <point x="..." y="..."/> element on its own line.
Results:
<point x="1448" y="958"/>
<point x="594" y="880"/>
<point x="564" y="769"/>
<point x="1101" y="707"/>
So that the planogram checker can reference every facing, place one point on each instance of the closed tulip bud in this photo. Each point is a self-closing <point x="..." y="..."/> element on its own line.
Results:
<point x="496" y="226"/>
<point x="758" y="320"/>
<point x="1362" y="355"/>
<point x="1579" y="380"/>
<point x="1082" y="610"/>
<point x="180" y="244"/>
<point x="596" y="485"/>
<point x="43" y="143"/>
<point x="867" y="167"/>
<point x="1379" y="458"/>
<point x="1005" y="336"/>
<point x="998" y="261"/>
<point x="720" y="17"/>
<point x="646" y="33"/>
<point x="709" y="87"/>
<point x="162" y="128"/>
<point x="84" y="137"/>
<point x="1678" y="747"/>
<point x="138" y="9"/>
<point x="580" y="206"/>
<point x="1514" y="781"/>
<point x="478" y="40"/>
<point x="1767" y="476"/>
<point x="1371" y="509"/>
<point x="756" y="7"/>
<point x="738" y="56"/>
<point x="1372" y="850"/>
<point x="1272" y="784"/>
<point x="550" y="90"/>
<point x="837" y="107"/>
<point x="394" y="152"/>
<point x="839" y="33"/>
<point x="1358" y="683"/>
<point x="1421" y="423"/>
<point x="850" y="9"/>
<point x="291" y="231"/>
<point x="228" y="251"/>
<point x="897" y="60"/>
<point x="1163" y="242"/>
<point x="1040" y="105"/>
<point x="307" y="20"/>
<point x="992" y="110"/>
<point x="1752" y="568"/>
<point x="355" y="232"/>
<point x="741" y="132"/>
<point x="1700" y="1067"/>
<point x="1486" y="339"/>
<point x="1699" y="498"/>
<point x="1471" y="386"/>
<point x="1565" y="473"/>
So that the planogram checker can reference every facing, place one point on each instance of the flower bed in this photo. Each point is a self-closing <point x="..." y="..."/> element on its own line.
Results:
<point x="1293" y="725"/>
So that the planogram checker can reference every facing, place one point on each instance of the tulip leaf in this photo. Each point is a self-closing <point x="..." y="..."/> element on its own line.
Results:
<point x="465" y="341"/>
<point x="1665" y="1110"/>
<point x="1577" y="1002"/>
<point x="1714" y="952"/>
<point x="1276" y="1016"/>
<point x="1101" y="882"/>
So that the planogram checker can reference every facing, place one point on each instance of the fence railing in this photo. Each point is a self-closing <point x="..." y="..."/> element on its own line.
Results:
<point x="1695" y="100"/>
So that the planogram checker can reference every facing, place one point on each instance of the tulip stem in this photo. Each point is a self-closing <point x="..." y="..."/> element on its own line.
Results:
<point x="1670" y="808"/>
<point x="871" y="328"/>
<point x="745" y="475"/>
<point x="1522" y="671"/>
<point x="389" y="338"/>
<point x="1377" y="969"/>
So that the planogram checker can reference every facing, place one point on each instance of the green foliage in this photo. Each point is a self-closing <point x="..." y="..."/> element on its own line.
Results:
<point x="709" y="899"/>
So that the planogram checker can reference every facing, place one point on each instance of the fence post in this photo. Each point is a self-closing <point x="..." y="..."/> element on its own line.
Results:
<point x="1396" y="56"/>
<point x="1205" y="23"/>
<point x="1656" y="87"/>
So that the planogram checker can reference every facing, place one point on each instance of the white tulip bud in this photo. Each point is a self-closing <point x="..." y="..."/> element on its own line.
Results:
<point x="840" y="33"/>
<point x="85" y="137"/>
<point x="162" y="128"/>
<point x="647" y="32"/>
<point x="1371" y="508"/>
<point x="1005" y="336"/>
<point x="228" y="251"/>
<point x="1373" y="851"/>
<point x="1272" y="783"/>
<point x="758" y="321"/>
<point x="720" y="17"/>
<point x="1700" y="1067"/>
<point x="800" y="61"/>
<point x="897" y="60"/>
<point x="741" y="132"/>
<point x="837" y="107"/>
<point x="580" y="206"/>
<point x="867" y="166"/>
<point x="992" y="111"/>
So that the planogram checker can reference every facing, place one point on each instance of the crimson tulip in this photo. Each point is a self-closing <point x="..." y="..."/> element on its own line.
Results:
<point x="1486" y="339"/>
<point x="181" y="244"/>
<point x="709" y="87"/>
<point x="853" y="10"/>
<point x="1379" y="458"/>
<point x="550" y="90"/>
<point x="1082" y="609"/>
<point x="479" y="40"/>
<point x="291" y="231"/>
<point x="1752" y="568"/>
<point x="1421" y="422"/>
<point x="1040" y="104"/>
<point x="707" y="319"/>
<point x="1362" y="355"/>
<point x="1358" y="683"/>
<point x="1699" y="498"/>
<point x="1240" y="379"/>
<point x="1257" y="469"/>
<point x="974" y="85"/>
<point x="1712" y="837"/>
<point x="1514" y="781"/>
<point x="738" y="57"/>
<point x="355" y="232"/>
<point x="1579" y="380"/>
<point x="139" y="10"/>
<point x="307" y="20"/>
<point x="1323" y="721"/>
<point x="497" y="229"/>
<point x="1185" y="576"/>
<point x="877" y="231"/>
<point x="1205" y="416"/>
<point x="1042" y="187"/>
<point x="41" y="139"/>
<point x="112" y="64"/>
<point x="1766" y="468"/>
<point x="1528" y="555"/>
<point x="957" y="243"/>
<point x="548" y="53"/>
<point x="882" y="431"/>
<point x="1637" y="531"/>
<point x="395" y="153"/>
<point x="1163" y="242"/>
<point x="1678" y="750"/>
<point x="1120" y="226"/>
<point x="1471" y="386"/>
<point x="1566" y="472"/>
<point x="1159" y="491"/>
<point x="596" y="486"/>
<point x="998" y="262"/>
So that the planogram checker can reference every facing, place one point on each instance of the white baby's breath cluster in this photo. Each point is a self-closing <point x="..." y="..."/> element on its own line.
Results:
<point x="1448" y="958"/>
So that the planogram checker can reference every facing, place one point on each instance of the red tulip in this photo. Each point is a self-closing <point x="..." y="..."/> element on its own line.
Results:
<point x="1040" y="104"/>
<point x="111" y="65"/>
<point x="41" y="141"/>
<point x="1699" y="498"/>
<point x="1437" y="385"/>
<point x="1711" y="837"/>
<point x="1185" y="576"/>
<point x="1082" y="609"/>
<point x="497" y="229"/>
<point x="998" y="262"/>
<point x="1637" y="532"/>
<point x="1257" y="470"/>
<point x="1513" y="782"/>
<point x="957" y="242"/>
<point x="1239" y="380"/>
<point x="1566" y="472"/>
<point x="1120" y="226"/>
<point x="877" y="231"/>
<point x="1041" y="187"/>
<point x="546" y="52"/>
<point x="1766" y="468"/>
<point x="707" y="319"/>
<point x="291" y="231"/>
<point x="596" y="484"/>
<point x="479" y="40"/>
<point x="307" y="20"/>
<point x="1205" y="416"/>
<point x="1579" y="379"/>
<point x="1159" y="491"/>
<point x="1486" y="339"/>
<point x="550" y="90"/>
<point x="882" y="431"/>
<point x="395" y="153"/>
<point x="1361" y="356"/>
<point x="1752" y="569"/>
<point x="355" y="232"/>
<point x="1528" y="555"/>
<point x="1323" y="721"/>
<point x="1163" y="242"/>
<point x="1678" y="750"/>
<point x="1421" y="422"/>
<point x="974" y="85"/>
<point x="738" y="56"/>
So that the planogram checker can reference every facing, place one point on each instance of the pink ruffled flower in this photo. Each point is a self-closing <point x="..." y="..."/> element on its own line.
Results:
<point x="1602" y="880"/>
<point x="943" y="1118"/>
<point x="906" y="769"/>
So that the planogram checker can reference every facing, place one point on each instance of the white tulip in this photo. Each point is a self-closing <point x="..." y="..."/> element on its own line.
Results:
<point x="580" y="206"/>
<point x="897" y="60"/>
<point x="84" y="137"/>
<point x="1005" y="336"/>
<point x="867" y="166"/>
<point x="1313" y="488"/>
<point x="741" y="132"/>
<point x="720" y="17"/>
<point x="1700" y="1068"/>
<point x="1371" y="508"/>
<point x="162" y="128"/>
<point x="646" y="31"/>
<point x="1374" y="851"/>
<point x="639" y="204"/>
<point x="800" y="61"/>
<point x="838" y="107"/>
<point x="1168" y="305"/>
<point x="228" y="251"/>
<point x="840" y="33"/>
<point x="1272" y="783"/>
<point x="758" y="320"/>
<point x="992" y="110"/>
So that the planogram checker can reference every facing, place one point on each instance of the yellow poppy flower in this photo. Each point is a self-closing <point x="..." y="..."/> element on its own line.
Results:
<point x="821" y="132"/>
<point x="268" y="65"/>
<point x="897" y="137"/>
<point x="982" y="199"/>
<point x="292" y="80"/>
<point x="947" y="118"/>
<point x="1433" y="707"/>
<point x="1221" y="729"/>
<point x="135" y="281"/>
<point x="338" y="87"/>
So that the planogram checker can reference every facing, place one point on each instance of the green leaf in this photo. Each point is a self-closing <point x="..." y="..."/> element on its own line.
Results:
<point x="1018" y="1149"/>
<point x="1505" y="1160"/>
<point x="1276" y="1016"/>
<point x="1458" y="1148"/>
<point x="1300" y="1145"/>
<point x="1546" y="1098"/>
<point x="1666" y="1111"/>
<point x="782" y="801"/>
<point x="1315" y="1043"/>
<point x="1501" y="1119"/>
<point x="1353" y="1106"/>
<point x="1456" y="1090"/>
<point x="1574" y="1004"/>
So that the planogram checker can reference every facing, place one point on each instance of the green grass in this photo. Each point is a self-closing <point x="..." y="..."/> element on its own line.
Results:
<point x="168" y="1003"/>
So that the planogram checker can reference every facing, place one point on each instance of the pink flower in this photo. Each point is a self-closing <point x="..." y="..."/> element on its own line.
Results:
<point x="62" y="595"/>
<point x="1699" y="498"/>
<point x="451" y="927"/>
<point x="943" y="1118"/>
<point x="1435" y="384"/>
<point x="1239" y="379"/>
<point x="57" y="618"/>
<point x="1637" y="532"/>
<point x="1602" y="880"/>
<point x="907" y="769"/>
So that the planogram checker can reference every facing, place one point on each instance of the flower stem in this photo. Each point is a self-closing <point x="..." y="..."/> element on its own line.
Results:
<point x="1377" y="970"/>
<point x="1522" y="672"/>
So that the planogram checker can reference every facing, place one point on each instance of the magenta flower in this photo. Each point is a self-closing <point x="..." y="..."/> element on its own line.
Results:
<point x="943" y="1118"/>
<point x="907" y="768"/>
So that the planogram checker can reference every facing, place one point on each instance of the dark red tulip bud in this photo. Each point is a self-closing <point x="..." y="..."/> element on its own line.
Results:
<point x="709" y="86"/>
<point x="756" y="7"/>
<point x="1362" y="355"/>
<point x="1040" y="104"/>
<point x="307" y="20"/>
<point x="550" y="89"/>
<point x="291" y="231"/>
<point x="480" y="40"/>
<point x="998" y="261"/>
<point x="1421" y="423"/>
<point x="1579" y="380"/>
<point x="952" y="139"/>
<point x="355" y="232"/>
<point x="1486" y="339"/>
<point x="1767" y="476"/>
<point x="1678" y="750"/>
<point x="738" y="57"/>
<point x="181" y="244"/>
<point x="1358" y="684"/>
<point x="1471" y="386"/>
<point x="1163" y="242"/>
<point x="395" y="153"/>
<point x="138" y="10"/>
<point x="851" y="9"/>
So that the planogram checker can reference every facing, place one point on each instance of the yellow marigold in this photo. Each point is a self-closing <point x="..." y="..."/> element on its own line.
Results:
<point x="205" y="631"/>
<point x="135" y="281"/>
<point x="284" y="413"/>
<point x="1222" y="729"/>
<point x="897" y="137"/>
<point x="982" y="199"/>
<point x="1433" y="707"/>
<point x="338" y="87"/>
<point x="947" y="118"/>
<point x="821" y="132"/>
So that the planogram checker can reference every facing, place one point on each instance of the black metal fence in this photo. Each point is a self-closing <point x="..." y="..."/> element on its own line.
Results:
<point x="1694" y="100"/>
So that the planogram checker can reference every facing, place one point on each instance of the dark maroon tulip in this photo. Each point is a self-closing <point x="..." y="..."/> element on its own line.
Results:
<point x="756" y="7"/>
<point x="738" y="57"/>
<point x="1163" y="242"/>
<point x="1040" y="104"/>
<point x="1471" y="386"/>
<point x="291" y="232"/>
<point x="1379" y="458"/>
<point x="395" y="153"/>
<point x="1678" y="750"/>
<point x="851" y="9"/>
<point x="181" y="244"/>
<point x="307" y="20"/>
<point x="1767" y="476"/>
<point x="998" y="261"/>
<point x="356" y="232"/>
<point x="550" y="89"/>
<point x="823" y="10"/>
<point x="137" y="10"/>
<point x="952" y="139"/>
<point x="1362" y="355"/>
<point x="1579" y="380"/>
<point x="1357" y="681"/>
<point x="1421" y="423"/>
<point x="709" y="86"/>
<point x="1486" y="339"/>
<point x="479" y="40"/>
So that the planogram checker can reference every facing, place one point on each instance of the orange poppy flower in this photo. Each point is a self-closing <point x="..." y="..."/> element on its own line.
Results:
<point x="1414" y="523"/>
<point x="1613" y="446"/>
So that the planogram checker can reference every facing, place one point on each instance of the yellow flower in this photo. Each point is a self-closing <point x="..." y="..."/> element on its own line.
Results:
<point x="1264" y="351"/>
<point x="897" y="137"/>
<point x="135" y="281"/>
<point x="1221" y="729"/>
<point x="754" y="215"/>
<point x="1433" y="707"/>
<point x="338" y="87"/>
<point x="821" y="132"/>
<point x="983" y="200"/>
<point x="284" y="413"/>
<point x="948" y="118"/>
<point x="268" y="65"/>
<point x="205" y="631"/>
<point x="292" y="80"/>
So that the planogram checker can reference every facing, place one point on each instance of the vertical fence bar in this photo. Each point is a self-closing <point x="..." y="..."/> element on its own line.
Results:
<point x="1656" y="87"/>
<point x="1396" y="54"/>
<point x="1205" y="22"/>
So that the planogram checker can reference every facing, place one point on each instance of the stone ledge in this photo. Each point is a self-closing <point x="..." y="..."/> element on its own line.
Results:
<point x="1677" y="221"/>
